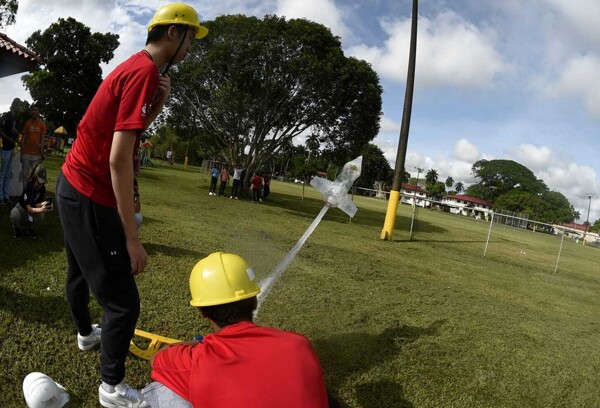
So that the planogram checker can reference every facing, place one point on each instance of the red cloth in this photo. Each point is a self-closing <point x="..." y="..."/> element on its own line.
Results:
<point x="256" y="182"/>
<point x="245" y="365"/>
<point x="120" y="103"/>
<point x="224" y="175"/>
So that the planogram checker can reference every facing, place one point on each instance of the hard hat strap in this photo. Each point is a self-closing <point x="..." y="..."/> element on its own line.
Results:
<point x="174" y="55"/>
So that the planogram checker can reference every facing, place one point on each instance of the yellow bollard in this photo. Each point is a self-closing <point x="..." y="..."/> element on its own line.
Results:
<point x="390" y="216"/>
<point x="185" y="163"/>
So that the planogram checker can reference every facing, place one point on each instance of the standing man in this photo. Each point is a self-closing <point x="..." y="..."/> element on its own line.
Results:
<point x="32" y="144"/>
<point x="237" y="178"/>
<point x="95" y="190"/>
<point x="9" y="134"/>
<point x="224" y="176"/>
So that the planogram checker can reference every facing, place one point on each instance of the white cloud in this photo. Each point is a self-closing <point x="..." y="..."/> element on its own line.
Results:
<point x="533" y="157"/>
<point x="325" y="12"/>
<point x="450" y="52"/>
<point x="466" y="151"/>
<point x="580" y="77"/>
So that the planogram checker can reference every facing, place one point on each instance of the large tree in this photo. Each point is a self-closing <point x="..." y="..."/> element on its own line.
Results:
<point x="375" y="167"/>
<point x="501" y="176"/>
<point x="8" y="10"/>
<point x="252" y="85"/>
<point x="66" y="81"/>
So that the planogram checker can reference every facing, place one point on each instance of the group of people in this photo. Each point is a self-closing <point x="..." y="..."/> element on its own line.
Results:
<point x="260" y="185"/>
<point x="31" y="142"/>
<point x="240" y="363"/>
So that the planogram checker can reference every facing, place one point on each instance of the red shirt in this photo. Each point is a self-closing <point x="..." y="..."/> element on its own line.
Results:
<point x="245" y="365"/>
<point x="120" y="103"/>
<point x="256" y="182"/>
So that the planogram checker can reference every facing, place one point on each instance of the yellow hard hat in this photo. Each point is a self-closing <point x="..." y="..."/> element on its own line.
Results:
<point x="178" y="13"/>
<point x="221" y="278"/>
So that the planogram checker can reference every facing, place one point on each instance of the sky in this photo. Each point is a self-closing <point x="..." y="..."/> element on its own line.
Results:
<point x="509" y="79"/>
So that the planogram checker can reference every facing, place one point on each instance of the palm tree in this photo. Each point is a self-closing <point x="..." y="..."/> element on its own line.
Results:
<point x="449" y="182"/>
<point x="312" y="145"/>
<point x="576" y="215"/>
<point x="459" y="187"/>
<point x="432" y="176"/>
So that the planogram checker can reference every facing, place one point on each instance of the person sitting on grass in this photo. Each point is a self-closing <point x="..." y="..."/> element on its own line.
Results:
<point x="240" y="364"/>
<point x="29" y="211"/>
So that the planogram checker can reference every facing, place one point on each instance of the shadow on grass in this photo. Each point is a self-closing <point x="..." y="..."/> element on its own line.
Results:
<point x="42" y="308"/>
<point x="357" y="353"/>
<point x="153" y="249"/>
<point x="311" y="207"/>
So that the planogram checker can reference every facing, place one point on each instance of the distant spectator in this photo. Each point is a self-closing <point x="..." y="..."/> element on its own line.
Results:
<point x="237" y="179"/>
<point x="32" y="143"/>
<point x="9" y="134"/>
<point x="29" y="211"/>
<point x="214" y="177"/>
<point x="224" y="177"/>
<point x="257" y="182"/>
<point x="266" y="186"/>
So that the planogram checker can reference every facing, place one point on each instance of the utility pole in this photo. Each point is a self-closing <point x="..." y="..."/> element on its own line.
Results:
<point x="390" y="216"/>
<point x="587" y="221"/>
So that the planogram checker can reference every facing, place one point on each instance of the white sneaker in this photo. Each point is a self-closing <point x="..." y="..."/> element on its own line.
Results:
<point x="91" y="340"/>
<point x="124" y="396"/>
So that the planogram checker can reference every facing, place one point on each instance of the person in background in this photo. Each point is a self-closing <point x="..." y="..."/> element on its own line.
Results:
<point x="266" y="186"/>
<point x="224" y="177"/>
<point x="32" y="144"/>
<point x="240" y="364"/>
<point x="257" y="183"/>
<point x="29" y="212"/>
<point x="237" y="179"/>
<point x="94" y="197"/>
<point x="9" y="134"/>
<point x="214" y="177"/>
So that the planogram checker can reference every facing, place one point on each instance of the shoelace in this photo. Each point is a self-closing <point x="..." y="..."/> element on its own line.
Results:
<point x="129" y="393"/>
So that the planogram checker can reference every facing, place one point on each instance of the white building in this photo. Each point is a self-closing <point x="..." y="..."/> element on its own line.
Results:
<point x="410" y="193"/>
<point x="465" y="205"/>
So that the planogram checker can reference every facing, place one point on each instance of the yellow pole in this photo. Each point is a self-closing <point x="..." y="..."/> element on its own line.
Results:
<point x="390" y="216"/>
<point x="185" y="163"/>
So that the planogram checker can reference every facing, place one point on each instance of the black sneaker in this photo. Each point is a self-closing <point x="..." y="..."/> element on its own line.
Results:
<point x="17" y="232"/>
<point x="32" y="233"/>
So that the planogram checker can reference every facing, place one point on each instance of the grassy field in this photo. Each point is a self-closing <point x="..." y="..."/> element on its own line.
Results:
<point x="422" y="323"/>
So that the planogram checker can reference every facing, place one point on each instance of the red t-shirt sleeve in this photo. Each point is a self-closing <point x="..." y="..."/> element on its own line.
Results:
<point x="172" y="367"/>
<point x="137" y="92"/>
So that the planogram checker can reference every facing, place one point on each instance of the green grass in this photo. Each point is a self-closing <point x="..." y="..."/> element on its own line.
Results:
<point x="422" y="323"/>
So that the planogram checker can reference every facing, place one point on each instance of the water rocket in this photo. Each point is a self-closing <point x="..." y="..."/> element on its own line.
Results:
<point x="335" y="193"/>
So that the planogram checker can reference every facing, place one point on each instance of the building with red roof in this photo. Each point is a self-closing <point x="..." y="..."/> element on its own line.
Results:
<point x="466" y="205"/>
<point x="15" y="58"/>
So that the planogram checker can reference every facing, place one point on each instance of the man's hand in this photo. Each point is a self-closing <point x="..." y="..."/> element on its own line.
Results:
<point x="137" y="255"/>
<point x="163" y="89"/>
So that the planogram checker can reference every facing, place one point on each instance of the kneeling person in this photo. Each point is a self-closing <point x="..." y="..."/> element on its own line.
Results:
<point x="241" y="364"/>
<point x="29" y="211"/>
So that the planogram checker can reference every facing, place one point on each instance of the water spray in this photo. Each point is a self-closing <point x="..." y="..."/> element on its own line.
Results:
<point x="335" y="194"/>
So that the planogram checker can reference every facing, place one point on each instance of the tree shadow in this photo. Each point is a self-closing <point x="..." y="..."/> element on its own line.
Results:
<point x="42" y="308"/>
<point x="153" y="249"/>
<point x="310" y="207"/>
<point x="351" y="354"/>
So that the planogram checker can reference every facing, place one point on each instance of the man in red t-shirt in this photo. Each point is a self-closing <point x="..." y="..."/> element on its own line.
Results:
<point x="94" y="196"/>
<point x="240" y="364"/>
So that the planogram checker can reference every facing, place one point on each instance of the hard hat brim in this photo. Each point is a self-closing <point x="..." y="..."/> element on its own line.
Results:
<point x="201" y="32"/>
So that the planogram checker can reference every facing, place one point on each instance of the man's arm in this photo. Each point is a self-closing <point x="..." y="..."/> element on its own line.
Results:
<point x="121" y="172"/>
<point x="160" y="98"/>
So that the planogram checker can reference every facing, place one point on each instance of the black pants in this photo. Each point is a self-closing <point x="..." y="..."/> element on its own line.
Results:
<point x="98" y="261"/>
<point x="235" y="187"/>
<point x="222" y="188"/>
<point x="213" y="184"/>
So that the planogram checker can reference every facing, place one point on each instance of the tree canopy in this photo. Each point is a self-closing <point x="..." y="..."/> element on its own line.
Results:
<point x="8" y="10"/>
<point x="502" y="176"/>
<point x="375" y="167"/>
<point x="253" y="85"/>
<point x="67" y="80"/>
